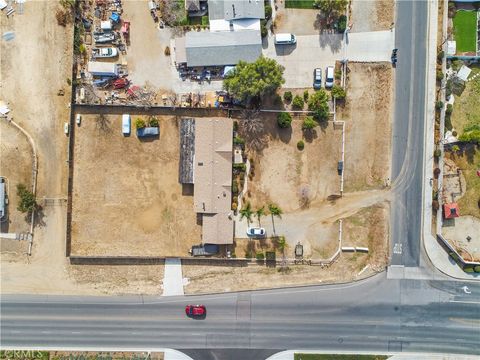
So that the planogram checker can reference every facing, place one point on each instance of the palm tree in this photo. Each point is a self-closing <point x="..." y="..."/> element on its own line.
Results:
<point x="259" y="213"/>
<point x="247" y="213"/>
<point x="274" y="211"/>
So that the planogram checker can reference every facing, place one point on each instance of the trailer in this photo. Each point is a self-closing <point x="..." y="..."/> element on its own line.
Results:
<point x="100" y="69"/>
<point x="204" y="250"/>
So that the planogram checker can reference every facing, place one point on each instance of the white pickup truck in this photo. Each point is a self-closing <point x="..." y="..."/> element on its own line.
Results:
<point x="106" y="52"/>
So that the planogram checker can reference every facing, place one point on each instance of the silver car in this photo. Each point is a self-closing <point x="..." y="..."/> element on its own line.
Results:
<point x="317" y="78"/>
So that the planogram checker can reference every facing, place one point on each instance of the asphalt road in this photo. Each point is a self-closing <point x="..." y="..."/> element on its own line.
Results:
<point x="374" y="315"/>
<point x="408" y="132"/>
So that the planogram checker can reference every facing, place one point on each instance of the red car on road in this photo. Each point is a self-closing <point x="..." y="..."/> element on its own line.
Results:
<point x="196" y="311"/>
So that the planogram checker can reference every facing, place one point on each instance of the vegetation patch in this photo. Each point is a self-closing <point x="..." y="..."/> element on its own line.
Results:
<point x="299" y="4"/>
<point x="465" y="24"/>
<point x="466" y="106"/>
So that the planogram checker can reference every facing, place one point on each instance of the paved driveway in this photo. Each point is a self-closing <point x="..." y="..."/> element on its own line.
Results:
<point x="312" y="51"/>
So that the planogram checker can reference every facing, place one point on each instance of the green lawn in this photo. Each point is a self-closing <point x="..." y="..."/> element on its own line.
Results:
<point x="300" y="356"/>
<point x="466" y="109"/>
<point x="465" y="27"/>
<point x="299" y="4"/>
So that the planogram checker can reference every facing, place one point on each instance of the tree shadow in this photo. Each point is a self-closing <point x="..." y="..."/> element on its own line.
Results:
<point x="39" y="219"/>
<point x="309" y="135"/>
<point x="469" y="151"/>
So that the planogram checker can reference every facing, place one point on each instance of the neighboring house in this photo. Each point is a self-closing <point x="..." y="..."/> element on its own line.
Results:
<point x="196" y="7"/>
<point x="234" y="35"/>
<point x="206" y="160"/>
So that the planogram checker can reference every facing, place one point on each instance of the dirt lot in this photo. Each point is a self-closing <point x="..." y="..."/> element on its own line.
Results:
<point x="16" y="166"/>
<point x="126" y="195"/>
<point x="368" y="113"/>
<point x="372" y="15"/>
<point x="313" y="170"/>
<point x="297" y="21"/>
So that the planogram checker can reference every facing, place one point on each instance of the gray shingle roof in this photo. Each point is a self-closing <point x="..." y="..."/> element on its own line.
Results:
<point x="236" y="9"/>
<point x="222" y="48"/>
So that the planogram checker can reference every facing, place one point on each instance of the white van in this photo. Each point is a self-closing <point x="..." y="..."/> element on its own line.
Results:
<point x="329" y="77"/>
<point x="285" y="39"/>
<point x="126" y="124"/>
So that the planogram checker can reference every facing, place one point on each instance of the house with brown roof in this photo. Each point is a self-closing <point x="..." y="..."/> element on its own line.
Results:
<point x="211" y="173"/>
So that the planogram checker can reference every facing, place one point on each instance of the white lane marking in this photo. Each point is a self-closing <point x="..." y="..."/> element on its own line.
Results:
<point x="464" y="302"/>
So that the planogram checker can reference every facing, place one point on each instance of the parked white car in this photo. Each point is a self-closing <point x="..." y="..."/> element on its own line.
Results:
<point x="329" y="77"/>
<point x="66" y="128"/>
<point x="257" y="232"/>
<point x="78" y="119"/>
<point x="106" y="52"/>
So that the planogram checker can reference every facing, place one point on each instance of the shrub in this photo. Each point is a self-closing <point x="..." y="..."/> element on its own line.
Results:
<point x="205" y="21"/>
<point x="435" y="205"/>
<point x="153" y="122"/>
<point x="455" y="148"/>
<point x="234" y="206"/>
<point x="437" y="153"/>
<point x="260" y="256"/>
<point x="297" y="102"/>
<point x="338" y="74"/>
<point x="241" y="167"/>
<point x="237" y="140"/>
<point x="439" y="105"/>
<point x="449" y="110"/>
<point x="69" y="82"/>
<point x="235" y="187"/>
<point x="268" y="12"/>
<point x="287" y="96"/>
<point x="454" y="133"/>
<point x="305" y="95"/>
<point x="235" y="125"/>
<point x="338" y="92"/>
<point x="476" y="268"/>
<point x="309" y="123"/>
<point x="27" y="199"/>
<point x="436" y="172"/>
<point x="300" y="145"/>
<point x="452" y="9"/>
<point x="140" y="123"/>
<point x="167" y="51"/>
<point x="439" y="75"/>
<point x="284" y="120"/>
<point x="63" y="17"/>
<point x="263" y="28"/>
<point x="248" y="254"/>
<point x="342" y="23"/>
<point x="448" y="123"/>
<point x="440" y="56"/>
<point x="456" y="64"/>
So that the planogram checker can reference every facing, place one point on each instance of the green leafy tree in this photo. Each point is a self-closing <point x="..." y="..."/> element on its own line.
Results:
<point x="318" y="104"/>
<point x="309" y="123"/>
<point x="153" y="121"/>
<point x="259" y="213"/>
<point x="284" y="120"/>
<point x="281" y="243"/>
<point x="250" y="81"/>
<point x="140" y="123"/>
<point x="275" y="211"/>
<point x="471" y="134"/>
<point x="297" y="102"/>
<point x="27" y="202"/>
<point x="246" y="213"/>
<point x="338" y="92"/>
<point x="331" y="8"/>
<point x="287" y="96"/>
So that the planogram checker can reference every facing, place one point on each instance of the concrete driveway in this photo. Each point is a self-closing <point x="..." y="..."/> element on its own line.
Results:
<point x="312" y="51"/>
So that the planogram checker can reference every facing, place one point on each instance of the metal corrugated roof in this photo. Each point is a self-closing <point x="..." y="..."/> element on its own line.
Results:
<point x="236" y="9"/>
<point x="222" y="48"/>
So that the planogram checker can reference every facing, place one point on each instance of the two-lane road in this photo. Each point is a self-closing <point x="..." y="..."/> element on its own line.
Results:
<point x="372" y="315"/>
<point x="409" y="132"/>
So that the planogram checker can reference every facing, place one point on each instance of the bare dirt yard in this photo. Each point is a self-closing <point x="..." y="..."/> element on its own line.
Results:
<point x="287" y="176"/>
<point x="126" y="196"/>
<point x="372" y="15"/>
<point x="368" y="113"/>
<point x="297" y="21"/>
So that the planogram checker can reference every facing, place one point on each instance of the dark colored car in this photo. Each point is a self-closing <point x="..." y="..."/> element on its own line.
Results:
<point x="196" y="311"/>
<point x="317" y="78"/>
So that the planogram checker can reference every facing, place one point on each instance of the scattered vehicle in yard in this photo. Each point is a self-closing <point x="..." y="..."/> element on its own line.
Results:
<point x="101" y="69"/>
<point x="148" y="131"/>
<point x="120" y="83"/>
<point x="103" y="37"/>
<point x="66" y="128"/>
<point x="196" y="311"/>
<point x="102" y="82"/>
<point x="317" y="78"/>
<point x="126" y="124"/>
<point x="394" y="57"/>
<point x="329" y="77"/>
<point x="204" y="250"/>
<point x="256" y="232"/>
<point x="107" y="52"/>
<point x="78" y="119"/>
<point x="285" y="39"/>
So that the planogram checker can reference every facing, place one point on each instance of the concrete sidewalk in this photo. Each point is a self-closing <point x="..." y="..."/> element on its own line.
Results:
<point x="289" y="355"/>
<point x="173" y="279"/>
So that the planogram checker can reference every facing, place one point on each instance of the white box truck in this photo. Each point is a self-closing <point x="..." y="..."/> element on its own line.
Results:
<point x="102" y="69"/>
<point x="126" y="124"/>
